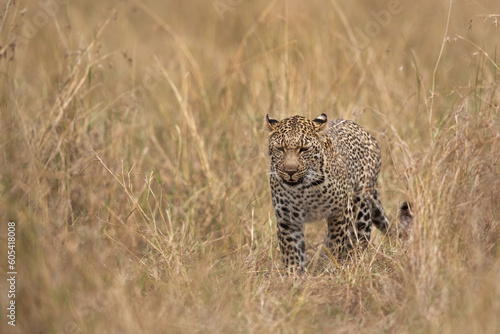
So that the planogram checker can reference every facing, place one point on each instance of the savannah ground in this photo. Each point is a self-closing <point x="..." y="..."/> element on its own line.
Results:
<point x="134" y="161"/>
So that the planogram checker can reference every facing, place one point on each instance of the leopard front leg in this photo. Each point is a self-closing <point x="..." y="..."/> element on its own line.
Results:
<point x="292" y="244"/>
<point x="361" y="232"/>
<point x="378" y="215"/>
<point x="339" y="242"/>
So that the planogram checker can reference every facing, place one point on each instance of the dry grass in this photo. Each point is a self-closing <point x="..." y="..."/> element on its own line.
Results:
<point x="134" y="164"/>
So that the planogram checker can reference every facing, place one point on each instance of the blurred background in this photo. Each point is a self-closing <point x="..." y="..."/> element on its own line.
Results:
<point x="134" y="163"/>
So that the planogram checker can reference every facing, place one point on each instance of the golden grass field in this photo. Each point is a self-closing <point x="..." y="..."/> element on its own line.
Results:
<point x="134" y="163"/>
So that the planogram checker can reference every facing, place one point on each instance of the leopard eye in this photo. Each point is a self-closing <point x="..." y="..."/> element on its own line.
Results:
<point x="280" y="148"/>
<point x="305" y="149"/>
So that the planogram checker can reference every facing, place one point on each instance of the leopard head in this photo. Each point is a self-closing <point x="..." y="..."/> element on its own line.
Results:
<point x="295" y="146"/>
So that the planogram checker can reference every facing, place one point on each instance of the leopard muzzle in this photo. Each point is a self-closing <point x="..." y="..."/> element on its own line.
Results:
<point x="291" y="171"/>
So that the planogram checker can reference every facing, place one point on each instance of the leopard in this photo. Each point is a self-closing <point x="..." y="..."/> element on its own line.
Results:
<point x="322" y="169"/>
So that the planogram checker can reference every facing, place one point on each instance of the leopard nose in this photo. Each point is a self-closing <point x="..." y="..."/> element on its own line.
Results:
<point x="291" y="172"/>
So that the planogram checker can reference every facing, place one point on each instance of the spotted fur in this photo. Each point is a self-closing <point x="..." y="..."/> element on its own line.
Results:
<point x="322" y="169"/>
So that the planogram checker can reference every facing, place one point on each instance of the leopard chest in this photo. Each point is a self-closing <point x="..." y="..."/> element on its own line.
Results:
<point x="305" y="202"/>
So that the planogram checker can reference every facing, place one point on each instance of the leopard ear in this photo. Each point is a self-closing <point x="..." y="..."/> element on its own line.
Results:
<point x="320" y="122"/>
<point x="271" y="123"/>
